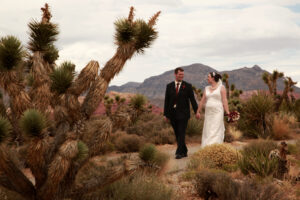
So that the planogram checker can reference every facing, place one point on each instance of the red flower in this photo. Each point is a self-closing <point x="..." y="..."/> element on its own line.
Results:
<point x="233" y="116"/>
<point x="183" y="86"/>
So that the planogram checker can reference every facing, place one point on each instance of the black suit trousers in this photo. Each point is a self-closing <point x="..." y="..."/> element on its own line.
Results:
<point x="179" y="126"/>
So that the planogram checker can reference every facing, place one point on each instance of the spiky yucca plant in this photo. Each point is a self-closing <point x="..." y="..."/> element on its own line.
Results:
<point x="63" y="135"/>
<point x="11" y="57"/>
<point x="271" y="81"/>
<point x="42" y="35"/>
<point x="62" y="77"/>
<point x="33" y="122"/>
<point x="5" y="129"/>
<point x="225" y="79"/>
<point x="289" y="83"/>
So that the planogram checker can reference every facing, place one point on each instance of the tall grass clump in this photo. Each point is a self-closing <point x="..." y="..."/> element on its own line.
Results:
<point x="257" y="116"/>
<point x="138" y="186"/>
<point x="194" y="127"/>
<point x="255" y="159"/>
<point x="152" y="157"/>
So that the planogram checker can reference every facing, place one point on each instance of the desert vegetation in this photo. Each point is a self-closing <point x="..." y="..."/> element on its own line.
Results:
<point x="49" y="140"/>
<point x="53" y="145"/>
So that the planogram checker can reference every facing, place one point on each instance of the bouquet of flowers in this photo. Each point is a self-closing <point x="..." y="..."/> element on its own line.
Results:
<point x="233" y="116"/>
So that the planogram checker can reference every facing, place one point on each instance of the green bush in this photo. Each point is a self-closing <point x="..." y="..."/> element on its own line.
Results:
<point x="255" y="159"/>
<point x="219" y="156"/>
<point x="147" y="152"/>
<point x="257" y="116"/>
<point x="194" y="127"/>
<point x="135" y="187"/>
<point x="151" y="156"/>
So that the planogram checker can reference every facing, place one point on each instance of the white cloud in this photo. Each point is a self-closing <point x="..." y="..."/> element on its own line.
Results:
<point x="222" y="34"/>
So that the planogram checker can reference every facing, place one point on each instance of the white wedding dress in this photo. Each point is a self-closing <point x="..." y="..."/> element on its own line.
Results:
<point x="213" y="129"/>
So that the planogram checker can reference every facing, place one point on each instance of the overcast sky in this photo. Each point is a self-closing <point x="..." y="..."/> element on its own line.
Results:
<point x="223" y="34"/>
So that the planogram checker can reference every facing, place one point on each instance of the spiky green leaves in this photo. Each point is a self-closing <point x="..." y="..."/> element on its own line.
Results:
<point x="139" y="33"/>
<point x="51" y="55"/>
<point x="145" y="35"/>
<point x="83" y="151"/>
<point x="138" y="101"/>
<point x="42" y="36"/>
<point x="5" y="128"/>
<point x="62" y="77"/>
<point x="33" y="123"/>
<point x="125" y="31"/>
<point x="11" y="53"/>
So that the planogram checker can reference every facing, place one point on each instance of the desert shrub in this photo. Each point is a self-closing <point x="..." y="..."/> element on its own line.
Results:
<point x="212" y="184"/>
<point x="255" y="158"/>
<point x="147" y="152"/>
<point x="165" y="136"/>
<point x="194" y="127"/>
<point x="153" y="128"/>
<point x="250" y="190"/>
<point x="256" y="116"/>
<point x="219" y="156"/>
<point x="129" y="143"/>
<point x="138" y="186"/>
<point x="297" y="109"/>
<point x="151" y="156"/>
<point x="232" y="133"/>
<point x="288" y="117"/>
<point x="294" y="149"/>
<point x="280" y="129"/>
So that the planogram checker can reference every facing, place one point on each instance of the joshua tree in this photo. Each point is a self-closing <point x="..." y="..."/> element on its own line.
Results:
<point x="61" y="136"/>
<point x="275" y="76"/>
<point x="289" y="83"/>
<point x="198" y="92"/>
<point x="137" y="106"/>
<point x="271" y="81"/>
<point x="225" y="79"/>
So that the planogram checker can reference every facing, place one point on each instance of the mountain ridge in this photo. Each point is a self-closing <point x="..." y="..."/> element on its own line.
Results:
<point x="245" y="78"/>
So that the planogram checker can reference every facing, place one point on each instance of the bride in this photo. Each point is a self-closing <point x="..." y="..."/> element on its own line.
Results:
<point x="215" y="100"/>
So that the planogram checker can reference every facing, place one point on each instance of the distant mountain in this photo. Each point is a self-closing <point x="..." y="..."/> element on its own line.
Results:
<point x="129" y="87"/>
<point x="154" y="87"/>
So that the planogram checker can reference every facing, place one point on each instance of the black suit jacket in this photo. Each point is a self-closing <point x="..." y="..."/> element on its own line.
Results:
<point x="183" y="99"/>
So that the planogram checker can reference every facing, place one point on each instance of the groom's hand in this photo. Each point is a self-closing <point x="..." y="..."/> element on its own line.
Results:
<point x="198" y="115"/>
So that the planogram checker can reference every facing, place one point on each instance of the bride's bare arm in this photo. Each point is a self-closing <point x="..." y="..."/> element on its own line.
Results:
<point x="201" y="103"/>
<point x="224" y="99"/>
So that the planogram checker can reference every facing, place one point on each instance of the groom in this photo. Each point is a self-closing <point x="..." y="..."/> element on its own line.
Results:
<point x="178" y="96"/>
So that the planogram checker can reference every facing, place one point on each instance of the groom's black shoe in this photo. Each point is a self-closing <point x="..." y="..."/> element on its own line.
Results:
<point x="185" y="155"/>
<point x="178" y="156"/>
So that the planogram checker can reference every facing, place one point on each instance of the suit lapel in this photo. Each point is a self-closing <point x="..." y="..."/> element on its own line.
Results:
<point x="181" y="87"/>
<point x="173" y="87"/>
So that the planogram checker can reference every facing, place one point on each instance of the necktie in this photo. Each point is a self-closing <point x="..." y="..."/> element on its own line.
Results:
<point x="177" y="88"/>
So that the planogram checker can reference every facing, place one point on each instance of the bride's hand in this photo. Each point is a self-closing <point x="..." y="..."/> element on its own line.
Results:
<point x="198" y="115"/>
